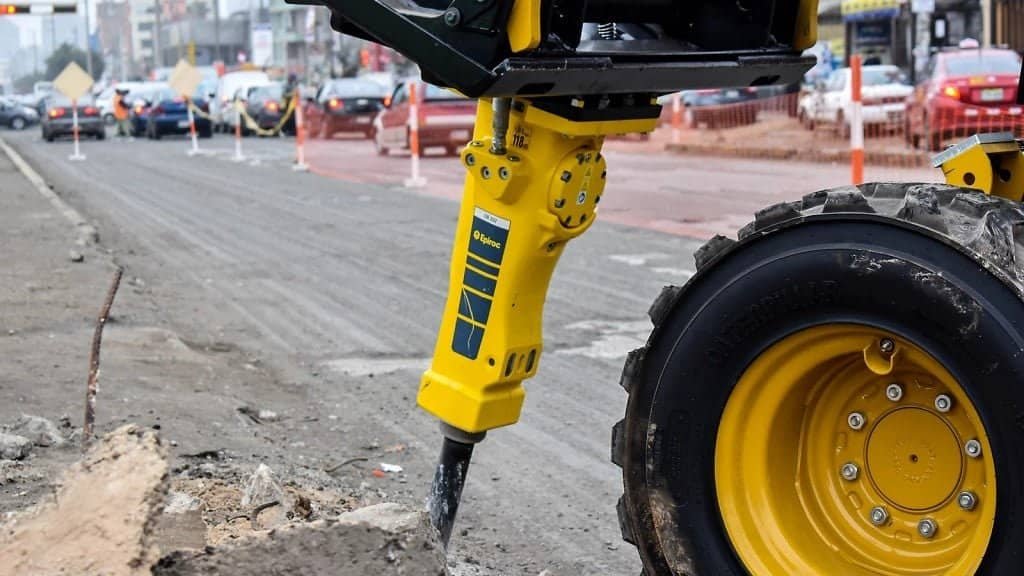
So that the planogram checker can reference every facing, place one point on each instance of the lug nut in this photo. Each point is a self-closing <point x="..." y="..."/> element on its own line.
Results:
<point x="887" y="346"/>
<point x="894" y="392"/>
<point x="878" y="516"/>
<point x="967" y="500"/>
<point x="927" y="528"/>
<point x="943" y="403"/>
<point x="566" y="176"/>
<point x="973" y="448"/>
<point x="856" y="420"/>
<point x="849" y="471"/>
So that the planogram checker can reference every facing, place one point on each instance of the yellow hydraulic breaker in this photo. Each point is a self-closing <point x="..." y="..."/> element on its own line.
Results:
<point x="535" y="178"/>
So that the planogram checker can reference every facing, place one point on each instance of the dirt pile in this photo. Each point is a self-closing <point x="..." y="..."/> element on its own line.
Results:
<point x="101" y="519"/>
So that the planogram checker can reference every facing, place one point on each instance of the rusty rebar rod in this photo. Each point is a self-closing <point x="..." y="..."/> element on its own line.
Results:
<point x="94" y="359"/>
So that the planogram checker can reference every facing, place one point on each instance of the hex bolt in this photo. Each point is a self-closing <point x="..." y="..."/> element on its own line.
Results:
<point x="927" y="528"/>
<point x="973" y="448"/>
<point x="485" y="172"/>
<point x="452" y="17"/>
<point x="559" y="202"/>
<point x="503" y="173"/>
<point x="886" y="346"/>
<point x="856" y="420"/>
<point x="470" y="159"/>
<point x="967" y="500"/>
<point x="894" y="392"/>
<point x="878" y="516"/>
<point x="943" y="403"/>
<point x="566" y="176"/>
<point x="849" y="471"/>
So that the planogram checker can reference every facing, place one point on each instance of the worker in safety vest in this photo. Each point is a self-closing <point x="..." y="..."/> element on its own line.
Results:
<point x="121" y="108"/>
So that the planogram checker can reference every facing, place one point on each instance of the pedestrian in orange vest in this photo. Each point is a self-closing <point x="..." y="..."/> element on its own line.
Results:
<point x="121" y="108"/>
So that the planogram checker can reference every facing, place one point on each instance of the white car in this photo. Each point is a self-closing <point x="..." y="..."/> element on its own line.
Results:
<point x="884" y="95"/>
<point x="221" y="107"/>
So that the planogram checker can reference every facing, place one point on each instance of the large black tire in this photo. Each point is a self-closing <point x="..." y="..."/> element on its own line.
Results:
<point x="941" y="266"/>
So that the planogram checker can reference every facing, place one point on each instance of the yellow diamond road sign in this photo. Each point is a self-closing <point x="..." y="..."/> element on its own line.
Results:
<point x="73" y="82"/>
<point x="185" y="79"/>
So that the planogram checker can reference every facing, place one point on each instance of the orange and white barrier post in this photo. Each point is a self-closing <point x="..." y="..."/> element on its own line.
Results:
<point x="856" y="122"/>
<point x="192" y="128"/>
<point x="677" y="117"/>
<point x="300" y="137"/>
<point x="415" y="180"/>
<point x="238" y="157"/>
<point x="77" y="156"/>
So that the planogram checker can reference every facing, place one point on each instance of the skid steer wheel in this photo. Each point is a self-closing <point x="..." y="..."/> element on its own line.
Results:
<point x="838" y="393"/>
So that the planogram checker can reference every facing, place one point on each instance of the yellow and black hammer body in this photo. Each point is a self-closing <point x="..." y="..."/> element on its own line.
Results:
<point x="519" y="209"/>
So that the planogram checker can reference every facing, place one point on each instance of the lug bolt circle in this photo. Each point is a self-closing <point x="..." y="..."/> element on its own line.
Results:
<point x="849" y="471"/>
<point x="886" y="346"/>
<point x="967" y="500"/>
<point x="894" y="392"/>
<point x="973" y="448"/>
<point x="927" y="528"/>
<point x="878" y="516"/>
<point x="856" y="420"/>
<point x="943" y="403"/>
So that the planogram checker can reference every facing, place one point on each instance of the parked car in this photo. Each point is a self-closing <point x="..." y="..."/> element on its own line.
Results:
<point x="344" y="105"/>
<point x="222" y="106"/>
<point x="105" y="99"/>
<point x="266" y="106"/>
<point x="884" y="91"/>
<point x="962" y="92"/>
<point x="59" y="118"/>
<point x="16" y="115"/>
<point x="720" y="108"/>
<point x="168" y="114"/>
<point x="140" y="100"/>
<point x="445" y="119"/>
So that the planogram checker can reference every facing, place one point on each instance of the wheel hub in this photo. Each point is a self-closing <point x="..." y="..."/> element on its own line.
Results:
<point x="914" y="459"/>
<point x="873" y="460"/>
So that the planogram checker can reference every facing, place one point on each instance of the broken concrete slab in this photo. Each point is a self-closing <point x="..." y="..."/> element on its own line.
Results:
<point x="381" y="540"/>
<point x="39" y="430"/>
<point x="14" y="447"/>
<point x="102" y="518"/>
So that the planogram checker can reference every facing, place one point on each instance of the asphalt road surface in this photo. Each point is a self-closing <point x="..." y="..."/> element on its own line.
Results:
<point x="334" y="281"/>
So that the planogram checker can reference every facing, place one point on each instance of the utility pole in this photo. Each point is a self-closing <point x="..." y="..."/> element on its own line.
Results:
<point x="216" y="30"/>
<point x="88" y="43"/>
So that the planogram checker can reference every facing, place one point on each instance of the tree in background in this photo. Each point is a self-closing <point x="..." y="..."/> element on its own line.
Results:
<point x="66" y="54"/>
<point x="24" y="84"/>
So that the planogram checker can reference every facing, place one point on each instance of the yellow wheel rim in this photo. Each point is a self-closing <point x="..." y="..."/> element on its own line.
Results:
<point x="844" y="450"/>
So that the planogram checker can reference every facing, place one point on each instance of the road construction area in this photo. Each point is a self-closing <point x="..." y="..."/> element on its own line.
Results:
<point x="281" y="318"/>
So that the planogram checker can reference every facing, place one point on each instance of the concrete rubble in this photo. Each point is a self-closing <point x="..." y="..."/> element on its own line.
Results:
<point x="40" y="431"/>
<point x="380" y="540"/>
<point x="14" y="447"/>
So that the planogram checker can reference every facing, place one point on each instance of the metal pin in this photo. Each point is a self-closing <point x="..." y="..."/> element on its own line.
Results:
<point x="973" y="448"/>
<point x="878" y="516"/>
<point x="894" y="392"/>
<point x="856" y="420"/>
<point x="849" y="471"/>
<point x="967" y="500"/>
<point x="927" y="528"/>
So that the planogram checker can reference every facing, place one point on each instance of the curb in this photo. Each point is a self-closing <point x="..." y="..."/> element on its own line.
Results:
<point x="87" y="233"/>
<point x="821" y="156"/>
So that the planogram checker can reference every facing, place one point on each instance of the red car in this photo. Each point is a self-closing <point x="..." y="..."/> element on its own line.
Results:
<point x="344" y="105"/>
<point x="445" y="119"/>
<point x="964" y="92"/>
